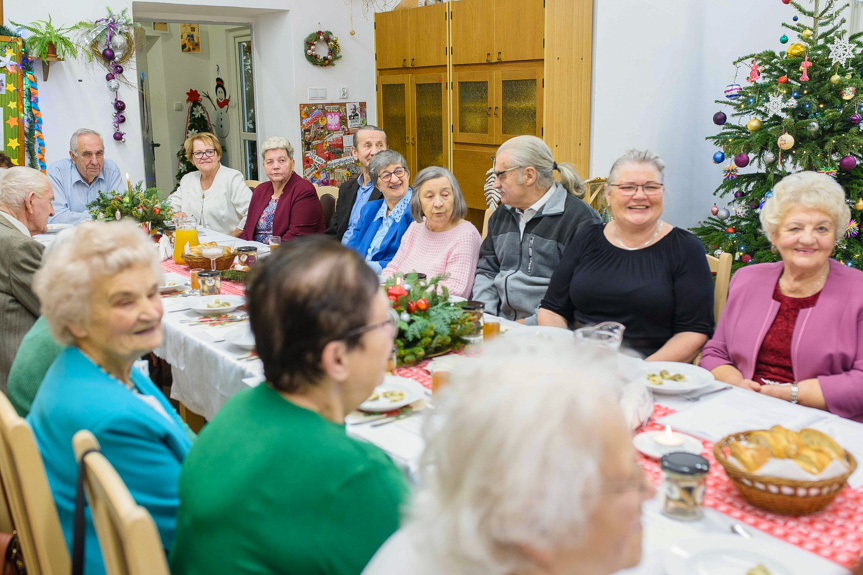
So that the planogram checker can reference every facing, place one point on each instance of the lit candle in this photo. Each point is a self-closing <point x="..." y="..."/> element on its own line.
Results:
<point x="129" y="183"/>
<point x="669" y="438"/>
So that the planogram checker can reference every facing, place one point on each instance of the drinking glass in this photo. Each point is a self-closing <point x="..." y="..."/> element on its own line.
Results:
<point x="213" y="253"/>
<point x="275" y="241"/>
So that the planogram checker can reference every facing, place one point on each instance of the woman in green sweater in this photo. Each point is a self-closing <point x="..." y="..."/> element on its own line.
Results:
<point x="273" y="483"/>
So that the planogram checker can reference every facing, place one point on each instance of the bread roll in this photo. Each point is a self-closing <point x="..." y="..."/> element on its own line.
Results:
<point x="752" y="458"/>
<point x="813" y="437"/>
<point x="812" y="460"/>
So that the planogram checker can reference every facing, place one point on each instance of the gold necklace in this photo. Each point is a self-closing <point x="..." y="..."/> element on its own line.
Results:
<point x="645" y="244"/>
<point x="818" y="284"/>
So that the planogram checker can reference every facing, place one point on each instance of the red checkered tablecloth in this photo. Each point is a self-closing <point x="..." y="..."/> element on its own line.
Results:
<point x="228" y="287"/>
<point x="835" y="533"/>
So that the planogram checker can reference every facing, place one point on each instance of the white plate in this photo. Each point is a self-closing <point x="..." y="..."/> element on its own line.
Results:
<point x="540" y="331"/>
<point x="412" y="390"/>
<point x="446" y="363"/>
<point x="57" y="228"/>
<point x="644" y="442"/>
<point x="174" y="282"/>
<point x="735" y="555"/>
<point x="696" y="377"/>
<point x="456" y="299"/>
<point x="241" y="337"/>
<point x="199" y="304"/>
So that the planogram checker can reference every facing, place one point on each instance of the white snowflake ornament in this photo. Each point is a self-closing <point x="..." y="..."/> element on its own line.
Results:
<point x="841" y="51"/>
<point x="198" y="112"/>
<point x="775" y="106"/>
<point x="191" y="132"/>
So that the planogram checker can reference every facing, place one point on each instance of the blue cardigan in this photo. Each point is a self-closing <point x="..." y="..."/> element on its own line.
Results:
<point x="367" y="227"/>
<point x="146" y="448"/>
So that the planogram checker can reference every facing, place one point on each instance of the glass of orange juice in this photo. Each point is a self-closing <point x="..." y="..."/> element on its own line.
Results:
<point x="186" y="233"/>
<point x="490" y="329"/>
<point x="275" y="241"/>
<point x="193" y="273"/>
<point x="439" y="379"/>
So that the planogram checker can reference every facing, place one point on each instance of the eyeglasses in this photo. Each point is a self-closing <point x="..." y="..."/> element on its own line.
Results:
<point x="650" y="188"/>
<point x="204" y="154"/>
<point x="502" y="172"/>
<point x="387" y="176"/>
<point x="392" y="322"/>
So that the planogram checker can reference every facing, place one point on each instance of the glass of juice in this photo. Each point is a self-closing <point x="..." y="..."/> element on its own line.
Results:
<point x="275" y="241"/>
<point x="186" y="233"/>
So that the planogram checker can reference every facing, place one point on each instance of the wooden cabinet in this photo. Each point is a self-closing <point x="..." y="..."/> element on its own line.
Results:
<point x="503" y="31"/>
<point x="413" y="113"/>
<point x="492" y="104"/>
<point x="412" y="38"/>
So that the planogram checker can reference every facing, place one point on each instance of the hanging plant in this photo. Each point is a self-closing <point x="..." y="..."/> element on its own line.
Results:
<point x="334" y="51"/>
<point x="46" y="40"/>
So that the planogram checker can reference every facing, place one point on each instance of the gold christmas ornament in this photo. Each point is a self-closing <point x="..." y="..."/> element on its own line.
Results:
<point x="835" y="79"/>
<point x="858" y="205"/>
<point x="795" y="50"/>
<point x="785" y="141"/>
<point x="807" y="33"/>
<point x="754" y="125"/>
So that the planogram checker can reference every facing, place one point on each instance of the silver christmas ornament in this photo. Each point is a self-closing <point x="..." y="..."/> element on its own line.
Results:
<point x="113" y="85"/>
<point x="119" y="44"/>
<point x="812" y="127"/>
<point x="723" y="214"/>
<point x="769" y="157"/>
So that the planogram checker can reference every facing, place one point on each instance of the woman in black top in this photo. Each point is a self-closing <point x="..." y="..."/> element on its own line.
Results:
<point x="637" y="270"/>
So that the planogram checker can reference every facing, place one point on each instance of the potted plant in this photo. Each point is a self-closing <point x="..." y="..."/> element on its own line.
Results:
<point x="46" y="41"/>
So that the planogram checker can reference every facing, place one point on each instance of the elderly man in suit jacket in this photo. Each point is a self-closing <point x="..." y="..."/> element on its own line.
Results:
<point x="25" y="206"/>
<point x="356" y="193"/>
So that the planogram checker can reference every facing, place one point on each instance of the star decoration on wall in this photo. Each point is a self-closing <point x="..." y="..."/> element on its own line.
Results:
<point x="7" y="62"/>
<point x="775" y="106"/>
<point x="841" y="51"/>
<point x="12" y="122"/>
<point x="13" y="143"/>
<point x="10" y="87"/>
<point x="13" y="104"/>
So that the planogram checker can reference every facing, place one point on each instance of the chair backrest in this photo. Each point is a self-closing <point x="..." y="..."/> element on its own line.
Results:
<point x="252" y="184"/>
<point x="721" y="268"/>
<point x="328" y="204"/>
<point x="595" y="193"/>
<point x="31" y="504"/>
<point x="331" y="190"/>
<point x="488" y="213"/>
<point x="127" y="534"/>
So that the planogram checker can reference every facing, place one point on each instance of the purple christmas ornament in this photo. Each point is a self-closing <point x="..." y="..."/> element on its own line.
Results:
<point x="855" y="119"/>
<point x="118" y="69"/>
<point x="109" y="76"/>
<point x="119" y="105"/>
<point x="118" y="136"/>
<point x="847" y="163"/>
<point x="121" y="118"/>
<point x="753" y="205"/>
<point x="738" y="194"/>
<point x="741" y="160"/>
<point x="108" y="54"/>
<point x="719" y="118"/>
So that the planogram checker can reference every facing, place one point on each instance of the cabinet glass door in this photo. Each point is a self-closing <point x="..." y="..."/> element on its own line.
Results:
<point x="519" y="103"/>
<point x="430" y="121"/>
<point x="394" y="112"/>
<point x="472" y="107"/>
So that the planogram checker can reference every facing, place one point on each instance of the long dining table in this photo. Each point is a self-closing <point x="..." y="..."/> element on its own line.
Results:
<point x="208" y="370"/>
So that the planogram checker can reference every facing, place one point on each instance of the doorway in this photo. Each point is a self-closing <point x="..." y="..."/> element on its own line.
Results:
<point x="172" y="71"/>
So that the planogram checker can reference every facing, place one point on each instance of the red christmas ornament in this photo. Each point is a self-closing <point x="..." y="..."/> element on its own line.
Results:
<point x="714" y="210"/>
<point x="397" y="291"/>
<point x="746" y="258"/>
<point x="422" y="304"/>
<point x="156" y="210"/>
<point x="786" y="1"/>
<point x="783" y="79"/>
<point x="412" y="306"/>
<point x="729" y="230"/>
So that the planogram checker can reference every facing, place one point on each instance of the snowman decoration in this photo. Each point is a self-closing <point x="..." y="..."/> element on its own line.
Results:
<point x="221" y="125"/>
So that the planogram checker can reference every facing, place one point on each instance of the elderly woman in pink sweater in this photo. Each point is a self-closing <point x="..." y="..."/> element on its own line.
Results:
<point x="794" y="329"/>
<point x="439" y="240"/>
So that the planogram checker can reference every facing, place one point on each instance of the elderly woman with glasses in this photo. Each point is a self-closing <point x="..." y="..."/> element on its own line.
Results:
<point x="287" y="205"/>
<point x="383" y="222"/>
<point x="274" y="484"/>
<point x="99" y="289"/>
<point x="637" y="270"/>
<point x="439" y="240"/>
<point x="524" y="475"/>
<point x="214" y="194"/>
<point x="797" y="322"/>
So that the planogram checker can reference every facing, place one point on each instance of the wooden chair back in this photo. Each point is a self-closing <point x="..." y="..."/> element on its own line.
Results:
<point x="594" y="193"/>
<point x="328" y="204"/>
<point x="331" y="190"/>
<point x="31" y="503"/>
<point x="128" y="536"/>
<point x="721" y="268"/>
<point x="488" y="213"/>
<point x="252" y="184"/>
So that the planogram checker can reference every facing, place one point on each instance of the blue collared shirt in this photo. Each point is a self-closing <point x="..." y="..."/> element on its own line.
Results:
<point x="386" y="223"/>
<point x="72" y="194"/>
<point x="363" y="194"/>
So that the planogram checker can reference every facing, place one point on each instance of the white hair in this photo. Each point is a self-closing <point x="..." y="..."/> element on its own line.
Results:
<point x="512" y="455"/>
<point x="531" y="151"/>
<point x="73" y="141"/>
<point x="17" y="182"/>
<point x="78" y="259"/>
<point x="808" y="189"/>
<point x="277" y="143"/>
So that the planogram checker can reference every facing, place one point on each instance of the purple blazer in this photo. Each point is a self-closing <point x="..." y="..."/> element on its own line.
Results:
<point x="298" y="213"/>
<point x="827" y="342"/>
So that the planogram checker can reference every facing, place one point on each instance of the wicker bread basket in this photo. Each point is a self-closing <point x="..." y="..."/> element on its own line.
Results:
<point x="778" y="495"/>
<point x="222" y="262"/>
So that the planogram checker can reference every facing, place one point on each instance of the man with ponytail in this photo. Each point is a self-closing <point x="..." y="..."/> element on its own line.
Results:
<point x="527" y="234"/>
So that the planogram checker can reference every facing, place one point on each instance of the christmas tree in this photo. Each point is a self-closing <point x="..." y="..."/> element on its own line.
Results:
<point x="799" y="110"/>
<point x="197" y="121"/>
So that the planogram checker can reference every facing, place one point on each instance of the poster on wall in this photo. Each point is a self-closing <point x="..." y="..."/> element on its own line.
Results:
<point x="328" y="139"/>
<point x="190" y="38"/>
<point x="11" y="100"/>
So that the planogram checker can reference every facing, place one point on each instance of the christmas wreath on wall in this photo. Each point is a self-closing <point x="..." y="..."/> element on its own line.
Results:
<point x="334" y="50"/>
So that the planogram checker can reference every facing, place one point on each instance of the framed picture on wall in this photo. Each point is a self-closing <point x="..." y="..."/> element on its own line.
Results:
<point x="190" y="37"/>
<point x="12" y="100"/>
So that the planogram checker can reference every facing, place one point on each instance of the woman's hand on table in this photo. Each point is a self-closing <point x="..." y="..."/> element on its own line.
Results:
<point x="730" y="374"/>
<point x="808" y="393"/>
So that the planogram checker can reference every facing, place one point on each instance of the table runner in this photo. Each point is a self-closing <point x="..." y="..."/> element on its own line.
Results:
<point x="835" y="533"/>
<point x="228" y="287"/>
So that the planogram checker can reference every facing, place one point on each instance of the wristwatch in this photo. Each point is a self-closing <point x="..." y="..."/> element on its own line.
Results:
<point x="794" y="390"/>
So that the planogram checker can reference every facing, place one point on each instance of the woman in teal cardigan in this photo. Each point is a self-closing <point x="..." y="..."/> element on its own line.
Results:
<point x="98" y="286"/>
<point x="383" y="222"/>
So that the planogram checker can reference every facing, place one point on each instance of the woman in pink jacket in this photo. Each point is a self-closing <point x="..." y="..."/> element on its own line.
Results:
<point x="794" y="329"/>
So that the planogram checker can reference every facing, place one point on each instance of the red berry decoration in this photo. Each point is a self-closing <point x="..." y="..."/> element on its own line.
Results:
<point x="156" y="210"/>
<point x="783" y="79"/>
<point x="412" y="306"/>
<point x="729" y="230"/>
<point x="746" y="258"/>
<point x="422" y="304"/>
<point x="786" y="1"/>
